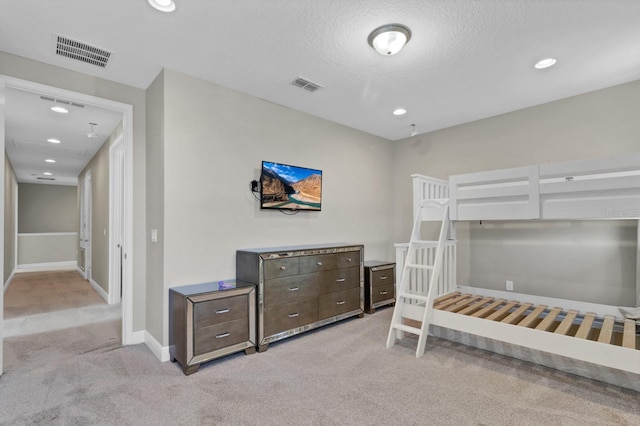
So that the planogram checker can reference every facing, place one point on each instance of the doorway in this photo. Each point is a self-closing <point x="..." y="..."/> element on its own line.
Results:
<point x="85" y="226"/>
<point x="126" y="243"/>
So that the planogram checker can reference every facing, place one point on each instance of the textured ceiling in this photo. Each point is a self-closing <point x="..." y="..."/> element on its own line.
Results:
<point x="467" y="59"/>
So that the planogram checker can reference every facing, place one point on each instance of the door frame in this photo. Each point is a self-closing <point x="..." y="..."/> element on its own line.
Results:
<point x="117" y="207"/>
<point x="86" y="212"/>
<point x="126" y="110"/>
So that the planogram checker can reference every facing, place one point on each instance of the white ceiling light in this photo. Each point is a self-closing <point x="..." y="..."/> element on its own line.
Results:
<point x="53" y="140"/>
<point x="389" y="39"/>
<point x="59" y="109"/>
<point x="163" y="5"/>
<point x="47" y="173"/>
<point x="50" y="160"/>
<point x="399" y="111"/>
<point x="545" y="63"/>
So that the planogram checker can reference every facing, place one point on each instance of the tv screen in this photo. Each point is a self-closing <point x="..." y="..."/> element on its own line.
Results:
<point x="290" y="187"/>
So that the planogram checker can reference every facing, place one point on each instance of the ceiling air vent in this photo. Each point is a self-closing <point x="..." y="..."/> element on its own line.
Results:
<point x="305" y="84"/>
<point x="83" y="52"/>
<point x="45" y="178"/>
<point x="61" y="101"/>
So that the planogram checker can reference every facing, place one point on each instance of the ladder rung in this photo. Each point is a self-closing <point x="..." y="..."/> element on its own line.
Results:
<point x="415" y="265"/>
<point x="414" y="296"/>
<point x="408" y="328"/>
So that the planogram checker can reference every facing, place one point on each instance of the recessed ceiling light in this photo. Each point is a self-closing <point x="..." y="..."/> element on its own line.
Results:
<point x="399" y="111"/>
<point x="59" y="109"/>
<point x="46" y="173"/>
<point x="53" y="140"/>
<point x="163" y="5"/>
<point x="545" y="63"/>
<point x="49" y="160"/>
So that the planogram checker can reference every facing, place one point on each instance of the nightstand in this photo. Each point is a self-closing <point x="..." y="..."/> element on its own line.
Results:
<point x="210" y="320"/>
<point x="379" y="284"/>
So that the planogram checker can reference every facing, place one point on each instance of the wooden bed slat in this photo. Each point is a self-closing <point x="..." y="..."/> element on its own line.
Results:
<point x="526" y="322"/>
<point x="476" y="306"/>
<point x="607" y="330"/>
<point x="497" y="315"/>
<point x="566" y="322"/>
<point x="585" y="327"/>
<point x="515" y="315"/>
<point x="445" y="297"/>
<point x="465" y="303"/>
<point x="548" y="320"/>
<point x="629" y="336"/>
<point x="452" y="301"/>
<point x="484" y="311"/>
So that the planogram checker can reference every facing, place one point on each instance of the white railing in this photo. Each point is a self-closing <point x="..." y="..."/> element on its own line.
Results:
<point x="428" y="188"/>
<point x="425" y="255"/>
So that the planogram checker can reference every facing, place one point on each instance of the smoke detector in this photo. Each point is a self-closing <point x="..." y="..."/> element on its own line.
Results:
<point x="92" y="133"/>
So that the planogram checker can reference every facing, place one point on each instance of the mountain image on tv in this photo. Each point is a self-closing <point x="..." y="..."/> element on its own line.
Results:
<point x="290" y="187"/>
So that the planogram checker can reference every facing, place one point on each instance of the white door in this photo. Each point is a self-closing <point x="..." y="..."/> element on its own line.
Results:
<point x="85" y="225"/>
<point x="116" y="219"/>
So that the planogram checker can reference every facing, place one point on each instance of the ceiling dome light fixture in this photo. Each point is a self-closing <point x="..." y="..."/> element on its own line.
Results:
<point x="545" y="63"/>
<point x="59" y="109"/>
<point x="389" y="39"/>
<point x="399" y="111"/>
<point x="47" y="173"/>
<point x="163" y="5"/>
<point x="53" y="140"/>
<point x="50" y="160"/>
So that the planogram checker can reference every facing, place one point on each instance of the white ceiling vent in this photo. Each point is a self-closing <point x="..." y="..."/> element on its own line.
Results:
<point x="83" y="52"/>
<point x="61" y="101"/>
<point x="306" y="84"/>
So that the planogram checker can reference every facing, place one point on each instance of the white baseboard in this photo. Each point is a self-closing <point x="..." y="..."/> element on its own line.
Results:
<point x="8" y="282"/>
<point x="99" y="290"/>
<point x="49" y="266"/>
<point x="161" y="352"/>
<point x="137" y="337"/>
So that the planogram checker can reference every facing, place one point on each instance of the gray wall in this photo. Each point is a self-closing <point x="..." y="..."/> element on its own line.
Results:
<point x="598" y="124"/>
<point x="99" y="166"/>
<point x="212" y="143"/>
<point x="9" y="219"/>
<point x="22" y="68"/>
<point x="47" y="208"/>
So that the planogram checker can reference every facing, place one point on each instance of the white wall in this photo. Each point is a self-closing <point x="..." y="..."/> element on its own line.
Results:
<point x="214" y="141"/>
<point x="597" y="124"/>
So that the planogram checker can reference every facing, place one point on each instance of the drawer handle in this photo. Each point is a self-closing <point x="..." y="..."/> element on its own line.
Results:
<point x="383" y="292"/>
<point x="384" y="277"/>
<point x="348" y="259"/>
<point x="222" y="311"/>
<point x="319" y="263"/>
<point x="342" y="302"/>
<point x="293" y="315"/>
<point x="294" y="288"/>
<point x="220" y="336"/>
<point x="283" y="268"/>
<point x="341" y="280"/>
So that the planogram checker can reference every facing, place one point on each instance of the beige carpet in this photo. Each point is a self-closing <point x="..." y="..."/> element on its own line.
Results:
<point x="41" y="292"/>
<point x="337" y="375"/>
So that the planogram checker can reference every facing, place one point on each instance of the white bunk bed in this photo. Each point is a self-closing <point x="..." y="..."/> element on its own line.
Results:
<point x="579" y="190"/>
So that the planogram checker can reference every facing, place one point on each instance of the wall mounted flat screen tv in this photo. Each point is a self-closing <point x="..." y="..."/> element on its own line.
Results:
<point x="288" y="187"/>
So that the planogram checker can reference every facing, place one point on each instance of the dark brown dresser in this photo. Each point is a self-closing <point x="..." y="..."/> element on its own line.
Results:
<point x="302" y="287"/>
<point x="379" y="284"/>
<point x="210" y="320"/>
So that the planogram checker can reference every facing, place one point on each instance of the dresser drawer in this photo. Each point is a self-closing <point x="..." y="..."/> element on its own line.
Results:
<point x="287" y="316"/>
<point x="382" y="292"/>
<point x="220" y="310"/>
<point x="382" y="277"/>
<point x="338" y="279"/>
<point x="289" y="289"/>
<point x="218" y="336"/>
<point x="348" y="259"/>
<point x="277" y="268"/>
<point x="339" y="302"/>
<point x="316" y="263"/>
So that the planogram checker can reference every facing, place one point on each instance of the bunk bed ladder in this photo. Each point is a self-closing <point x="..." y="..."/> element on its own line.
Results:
<point x="404" y="295"/>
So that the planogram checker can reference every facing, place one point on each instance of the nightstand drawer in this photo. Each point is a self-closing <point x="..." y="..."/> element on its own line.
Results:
<point x="339" y="302"/>
<point x="220" y="310"/>
<point x="285" y="317"/>
<point x="382" y="292"/>
<point x="382" y="277"/>
<point x="218" y="336"/>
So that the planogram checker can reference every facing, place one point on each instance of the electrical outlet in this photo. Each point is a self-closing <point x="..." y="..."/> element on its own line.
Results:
<point x="509" y="285"/>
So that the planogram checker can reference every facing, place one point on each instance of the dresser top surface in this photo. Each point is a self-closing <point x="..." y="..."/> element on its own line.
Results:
<point x="302" y="248"/>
